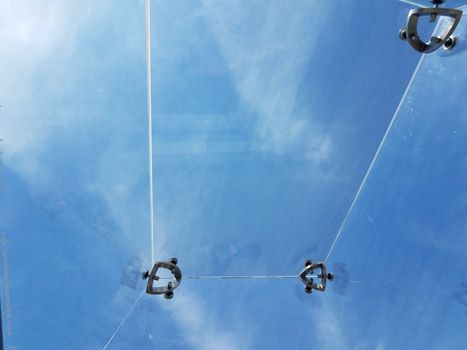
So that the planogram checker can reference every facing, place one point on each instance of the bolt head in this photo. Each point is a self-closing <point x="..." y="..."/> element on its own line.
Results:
<point x="174" y="261"/>
<point x="330" y="276"/>
<point x="403" y="34"/>
<point x="169" y="295"/>
<point x="450" y="43"/>
<point x="307" y="262"/>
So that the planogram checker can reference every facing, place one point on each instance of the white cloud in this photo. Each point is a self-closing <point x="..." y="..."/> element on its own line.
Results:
<point x="31" y="33"/>
<point x="200" y="327"/>
<point x="334" y="331"/>
<point x="267" y="60"/>
<point x="30" y="30"/>
<point x="267" y="49"/>
<point x="40" y="44"/>
<point x="329" y="331"/>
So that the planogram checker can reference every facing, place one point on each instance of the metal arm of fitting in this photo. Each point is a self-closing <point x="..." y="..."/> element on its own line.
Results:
<point x="410" y="33"/>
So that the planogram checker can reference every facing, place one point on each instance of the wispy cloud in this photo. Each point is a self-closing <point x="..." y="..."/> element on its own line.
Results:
<point x="333" y="333"/>
<point x="329" y="330"/>
<point x="202" y="325"/>
<point x="202" y="330"/>
<point x="32" y="34"/>
<point x="267" y="49"/>
<point x="29" y="33"/>
<point x="45" y="49"/>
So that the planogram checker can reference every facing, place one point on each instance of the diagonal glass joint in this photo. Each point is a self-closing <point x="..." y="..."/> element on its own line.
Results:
<point x="308" y="273"/>
<point x="152" y="277"/>
<point x="410" y="33"/>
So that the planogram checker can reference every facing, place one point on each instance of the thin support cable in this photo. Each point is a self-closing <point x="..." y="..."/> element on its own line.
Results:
<point x="123" y="321"/>
<point x="419" y="4"/>
<point x="413" y="3"/>
<point x="240" y="277"/>
<point x="234" y="277"/>
<point x="404" y="290"/>
<point x="375" y="157"/>
<point x="149" y="97"/>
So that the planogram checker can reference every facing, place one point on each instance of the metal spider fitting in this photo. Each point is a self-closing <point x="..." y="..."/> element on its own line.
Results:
<point x="446" y="39"/>
<point x="308" y="273"/>
<point x="168" y="290"/>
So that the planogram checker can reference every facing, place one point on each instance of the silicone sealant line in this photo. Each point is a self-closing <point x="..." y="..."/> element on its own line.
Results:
<point x="427" y="4"/>
<point x="150" y="138"/>
<point x="415" y="3"/>
<point x="398" y="289"/>
<point x="150" y="163"/>
<point x="237" y="277"/>
<point x="375" y="157"/>
<point x="122" y="322"/>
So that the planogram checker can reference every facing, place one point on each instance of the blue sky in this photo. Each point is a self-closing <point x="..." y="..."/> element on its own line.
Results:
<point x="266" y="120"/>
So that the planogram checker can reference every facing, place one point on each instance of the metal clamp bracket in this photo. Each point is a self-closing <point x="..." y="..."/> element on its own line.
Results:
<point x="410" y="33"/>
<point x="308" y="273"/>
<point x="167" y="291"/>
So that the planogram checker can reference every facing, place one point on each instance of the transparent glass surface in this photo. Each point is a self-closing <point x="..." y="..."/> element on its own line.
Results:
<point x="73" y="128"/>
<point x="407" y="229"/>
<point x="266" y="119"/>
<point x="267" y="125"/>
<point x="427" y="3"/>
<point x="448" y="3"/>
<point x="278" y="314"/>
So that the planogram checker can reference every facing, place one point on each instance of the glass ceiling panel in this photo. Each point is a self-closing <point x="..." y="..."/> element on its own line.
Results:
<point x="266" y="119"/>
<point x="278" y="315"/>
<point x="454" y="3"/>
<point x="73" y="225"/>
<point x="407" y="228"/>
<point x="399" y="265"/>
